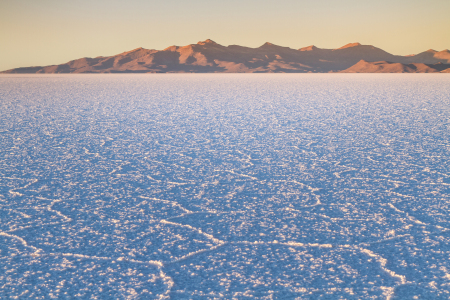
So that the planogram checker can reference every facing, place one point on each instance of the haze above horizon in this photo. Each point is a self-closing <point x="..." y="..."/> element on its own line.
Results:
<point x="49" y="32"/>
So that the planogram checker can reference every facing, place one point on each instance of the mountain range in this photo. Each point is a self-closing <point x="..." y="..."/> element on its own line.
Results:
<point x="211" y="57"/>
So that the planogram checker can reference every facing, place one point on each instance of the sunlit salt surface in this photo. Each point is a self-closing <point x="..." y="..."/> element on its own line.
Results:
<point x="225" y="186"/>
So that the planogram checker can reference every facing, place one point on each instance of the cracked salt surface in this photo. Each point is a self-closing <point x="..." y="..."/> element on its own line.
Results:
<point x="225" y="186"/>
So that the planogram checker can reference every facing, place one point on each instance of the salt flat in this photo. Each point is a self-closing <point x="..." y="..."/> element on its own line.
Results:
<point x="203" y="186"/>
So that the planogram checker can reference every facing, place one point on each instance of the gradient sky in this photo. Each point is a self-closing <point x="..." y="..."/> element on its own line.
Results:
<point x="45" y="32"/>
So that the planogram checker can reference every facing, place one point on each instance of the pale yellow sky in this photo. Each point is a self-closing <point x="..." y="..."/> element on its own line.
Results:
<point x="49" y="32"/>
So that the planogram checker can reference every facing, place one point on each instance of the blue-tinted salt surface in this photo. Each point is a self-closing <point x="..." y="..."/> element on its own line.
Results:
<point x="225" y="186"/>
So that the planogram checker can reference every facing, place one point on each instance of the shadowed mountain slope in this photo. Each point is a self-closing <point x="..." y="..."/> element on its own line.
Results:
<point x="210" y="57"/>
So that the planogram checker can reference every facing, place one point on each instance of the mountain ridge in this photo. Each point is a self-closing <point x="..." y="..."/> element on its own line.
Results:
<point x="210" y="57"/>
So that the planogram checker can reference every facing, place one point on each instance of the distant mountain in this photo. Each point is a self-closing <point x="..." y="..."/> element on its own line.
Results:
<point x="210" y="57"/>
<point x="389" y="67"/>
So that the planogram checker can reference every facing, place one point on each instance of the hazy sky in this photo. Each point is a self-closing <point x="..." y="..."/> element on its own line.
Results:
<point x="44" y="32"/>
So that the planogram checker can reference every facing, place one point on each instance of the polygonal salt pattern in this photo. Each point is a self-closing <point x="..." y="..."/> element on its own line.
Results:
<point x="225" y="186"/>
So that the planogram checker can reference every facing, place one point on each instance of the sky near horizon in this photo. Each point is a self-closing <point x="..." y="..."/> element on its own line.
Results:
<point x="46" y="32"/>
